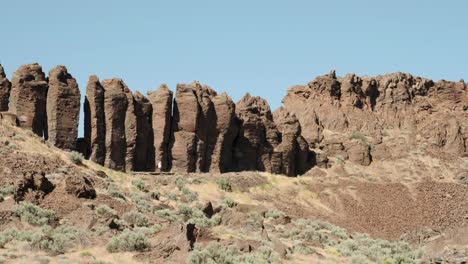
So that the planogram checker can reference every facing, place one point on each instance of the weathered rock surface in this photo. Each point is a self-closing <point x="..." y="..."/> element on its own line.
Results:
<point x="144" y="147"/>
<point x="115" y="110"/>
<point x="257" y="138"/>
<point x="433" y="112"/>
<point x="80" y="187"/>
<point x="130" y="129"/>
<point x="28" y="98"/>
<point x="161" y="102"/>
<point x="227" y="128"/>
<point x="95" y="124"/>
<point x="63" y="108"/>
<point x="32" y="187"/>
<point x="5" y="88"/>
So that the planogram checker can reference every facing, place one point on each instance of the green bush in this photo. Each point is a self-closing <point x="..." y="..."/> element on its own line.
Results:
<point x="229" y="202"/>
<point x="224" y="184"/>
<point x="75" y="157"/>
<point x="180" y="182"/>
<point x="274" y="213"/>
<point x="172" y="196"/>
<point x="140" y="185"/>
<point x="136" y="219"/>
<point x="58" y="240"/>
<point x="189" y="195"/>
<point x="7" y="190"/>
<point x="142" y="202"/>
<point x="34" y="214"/>
<point x="155" y="194"/>
<point x="105" y="211"/>
<point x="135" y="240"/>
<point x="185" y="210"/>
<point x="220" y="254"/>
<point x="255" y="219"/>
<point x="7" y="236"/>
<point x="166" y="214"/>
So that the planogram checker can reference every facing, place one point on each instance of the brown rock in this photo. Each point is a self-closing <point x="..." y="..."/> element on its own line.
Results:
<point x="95" y="124"/>
<point x="144" y="149"/>
<point x="226" y="131"/>
<point x="9" y="118"/>
<point x="32" y="187"/>
<point x="115" y="108"/>
<point x="257" y="137"/>
<point x="5" y="88"/>
<point x="208" y="209"/>
<point x="359" y="152"/>
<point x="161" y="101"/>
<point x="130" y="129"/>
<point x="185" y="119"/>
<point x="80" y="187"/>
<point x="63" y="108"/>
<point x="28" y="98"/>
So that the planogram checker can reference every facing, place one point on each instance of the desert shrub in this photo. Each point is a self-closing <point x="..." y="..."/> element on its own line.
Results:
<point x="199" y="218"/>
<point x="274" y="213"/>
<point x="128" y="240"/>
<point x="142" y="202"/>
<point x="135" y="218"/>
<point x="75" y="157"/>
<point x="166" y="214"/>
<point x="189" y="195"/>
<point x="116" y="194"/>
<point x="58" y="240"/>
<point x="254" y="219"/>
<point x="224" y="184"/>
<point x="7" y="236"/>
<point x="229" y="202"/>
<point x="185" y="210"/>
<point x="155" y="194"/>
<point x="100" y="230"/>
<point x="217" y="253"/>
<point x="34" y="214"/>
<point x="339" y="160"/>
<point x="7" y="190"/>
<point x="105" y="211"/>
<point x="180" y="182"/>
<point x="140" y="185"/>
<point x="172" y="196"/>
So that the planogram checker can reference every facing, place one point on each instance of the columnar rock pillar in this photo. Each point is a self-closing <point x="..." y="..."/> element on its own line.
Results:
<point x="161" y="101"/>
<point x="28" y="98"/>
<point x="95" y="123"/>
<point x="63" y="108"/>
<point x="5" y="88"/>
<point x="144" y="149"/>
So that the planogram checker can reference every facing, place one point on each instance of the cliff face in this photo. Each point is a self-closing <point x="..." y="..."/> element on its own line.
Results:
<point x="198" y="130"/>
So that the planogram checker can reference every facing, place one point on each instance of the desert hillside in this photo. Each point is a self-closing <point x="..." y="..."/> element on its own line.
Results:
<point x="350" y="170"/>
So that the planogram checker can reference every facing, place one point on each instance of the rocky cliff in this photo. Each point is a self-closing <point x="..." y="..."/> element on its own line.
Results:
<point x="331" y="119"/>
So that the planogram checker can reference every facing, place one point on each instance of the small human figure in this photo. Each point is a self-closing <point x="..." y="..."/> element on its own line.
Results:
<point x="159" y="166"/>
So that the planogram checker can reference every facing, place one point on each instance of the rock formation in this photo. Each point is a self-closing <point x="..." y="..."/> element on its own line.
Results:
<point x="130" y="129"/>
<point x="28" y="98"/>
<point x="161" y="102"/>
<point x="144" y="148"/>
<point x="63" y="108"/>
<point x="95" y="124"/>
<point x="115" y="110"/>
<point x="5" y="88"/>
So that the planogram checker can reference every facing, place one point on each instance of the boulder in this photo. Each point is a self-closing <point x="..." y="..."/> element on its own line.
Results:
<point x="144" y="149"/>
<point x="63" y="108"/>
<point x="161" y="102"/>
<point x="80" y="187"/>
<point x="32" y="187"/>
<point x="115" y="109"/>
<point x="5" y="88"/>
<point x="28" y="98"/>
<point x="95" y="123"/>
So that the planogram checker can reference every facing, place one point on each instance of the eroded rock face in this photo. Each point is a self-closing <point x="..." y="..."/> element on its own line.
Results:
<point x="80" y="187"/>
<point x="95" y="123"/>
<point x="431" y="111"/>
<point x="144" y="148"/>
<point x="227" y="128"/>
<point x="5" y="88"/>
<point x="161" y="102"/>
<point x="63" y="108"/>
<point x="32" y="187"/>
<point x="115" y="110"/>
<point x="257" y="138"/>
<point x="130" y="129"/>
<point x="28" y="98"/>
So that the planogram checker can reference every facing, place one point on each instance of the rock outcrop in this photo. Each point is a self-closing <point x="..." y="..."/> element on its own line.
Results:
<point x="28" y="98"/>
<point x="63" y="108"/>
<point x="5" y="88"/>
<point x="161" y="102"/>
<point x="95" y="123"/>
<point x="130" y="129"/>
<point x="115" y="110"/>
<point x="144" y="147"/>
<point x="433" y="111"/>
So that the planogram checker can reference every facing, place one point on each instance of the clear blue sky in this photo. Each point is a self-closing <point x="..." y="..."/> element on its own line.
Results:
<point x="261" y="47"/>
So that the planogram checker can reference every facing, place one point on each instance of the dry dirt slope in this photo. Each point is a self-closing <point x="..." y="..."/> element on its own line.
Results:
<point x="57" y="210"/>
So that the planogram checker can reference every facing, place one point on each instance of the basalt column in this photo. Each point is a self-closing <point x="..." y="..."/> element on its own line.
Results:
<point x="95" y="123"/>
<point x="5" y="88"/>
<point x="130" y="130"/>
<point x="28" y="98"/>
<point x="144" y="150"/>
<point x="161" y="101"/>
<point x="115" y="109"/>
<point x="63" y="108"/>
